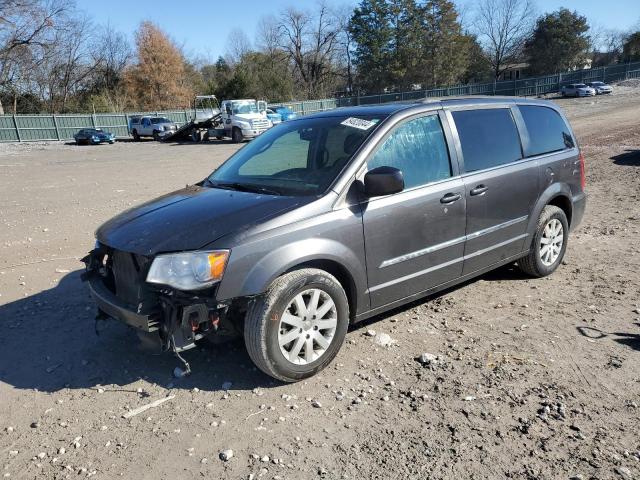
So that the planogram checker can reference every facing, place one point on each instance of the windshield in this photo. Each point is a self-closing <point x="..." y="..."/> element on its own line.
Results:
<point x="596" y="84"/>
<point x="580" y="85"/>
<point x="244" y="107"/>
<point x="160" y="120"/>
<point x="301" y="157"/>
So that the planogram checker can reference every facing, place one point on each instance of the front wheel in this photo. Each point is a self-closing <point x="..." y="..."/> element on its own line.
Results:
<point x="297" y="327"/>
<point x="549" y="243"/>
<point x="236" y="135"/>
<point x="136" y="137"/>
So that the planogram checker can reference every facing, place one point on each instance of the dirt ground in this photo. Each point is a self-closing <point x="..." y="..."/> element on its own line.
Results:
<point x="535" y="379"/>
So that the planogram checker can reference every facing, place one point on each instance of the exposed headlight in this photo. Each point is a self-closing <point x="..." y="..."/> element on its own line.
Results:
<point x="188" y="271"/>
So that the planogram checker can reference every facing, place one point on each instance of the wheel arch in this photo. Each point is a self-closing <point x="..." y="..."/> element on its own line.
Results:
<point x="557" y="194"/>
<point x="251" y="278"/>
<point x="342" y="274"/>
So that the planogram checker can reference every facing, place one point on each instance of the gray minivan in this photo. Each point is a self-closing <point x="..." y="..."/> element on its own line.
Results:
<point x="332" y="218"/>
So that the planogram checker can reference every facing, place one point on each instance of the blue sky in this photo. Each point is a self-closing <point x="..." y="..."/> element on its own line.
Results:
<point x="202" y="27"/>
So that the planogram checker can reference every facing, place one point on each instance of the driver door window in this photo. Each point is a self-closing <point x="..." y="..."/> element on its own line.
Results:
<point x="417" y="148"/>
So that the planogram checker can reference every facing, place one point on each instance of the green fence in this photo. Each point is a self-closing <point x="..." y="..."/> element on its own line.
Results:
<point x="20" y="128"/>
<point x="525" y="87"/>
<point x="23" y="128"/>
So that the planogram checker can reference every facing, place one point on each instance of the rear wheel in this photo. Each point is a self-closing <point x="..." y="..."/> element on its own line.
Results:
<point x="236" y="135"/>
<point x="549" y="243"/>
<point x="298" y="326"/>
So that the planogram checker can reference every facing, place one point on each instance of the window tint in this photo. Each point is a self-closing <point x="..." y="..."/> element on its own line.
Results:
<point x="547" y="130"/>
<point x="489" y="138"/>
<point x="418" y="148"/>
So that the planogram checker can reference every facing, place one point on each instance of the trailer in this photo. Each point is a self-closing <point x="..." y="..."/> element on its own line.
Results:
<point x="205" y="116"/>
<point x="241" y="119"/>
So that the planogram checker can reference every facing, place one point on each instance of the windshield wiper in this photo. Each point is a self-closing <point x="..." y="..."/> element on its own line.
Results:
<point x="244" y="187"/>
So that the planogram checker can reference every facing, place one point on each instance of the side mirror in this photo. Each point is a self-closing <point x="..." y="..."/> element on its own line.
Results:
<point x="383" y="181"/>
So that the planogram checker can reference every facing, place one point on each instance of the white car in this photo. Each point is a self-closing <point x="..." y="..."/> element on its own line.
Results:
<point x="577" y="90"/>
<point x="600" y="87"/>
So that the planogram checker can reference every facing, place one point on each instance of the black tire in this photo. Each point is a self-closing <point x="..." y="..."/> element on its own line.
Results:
<point x="262" y="323"/>
<point x="236" y="135"/>
<point x="532" y="264"/>
<point x="136" y="137"/>
<point x="156" y="136"/>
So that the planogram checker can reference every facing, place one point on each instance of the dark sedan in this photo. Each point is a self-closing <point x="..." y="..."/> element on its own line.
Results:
<point x="93" y="136"/>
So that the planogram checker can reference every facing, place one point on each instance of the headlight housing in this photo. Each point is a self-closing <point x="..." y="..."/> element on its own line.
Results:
<point x="245" y="125"/>
<point x="190" y="270"/>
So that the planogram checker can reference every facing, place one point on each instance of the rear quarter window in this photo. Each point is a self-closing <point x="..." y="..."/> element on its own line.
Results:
<point x="488" y="137"/>
<point x="547" y="130"/>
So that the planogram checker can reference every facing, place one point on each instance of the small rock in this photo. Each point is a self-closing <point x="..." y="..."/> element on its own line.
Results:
<point x="35" y="424"/>
<point x="427" y="359"/>
<point x="370" y="333"/>
<point x="316" y="404"/>
<point x="383" y="339"/>
<point x="264" y="458"/>
<point x="9" y="429"/>
<point x="204" y="460"/>
<point x="13" y="453"/>
<point x="469" y="398"/>
<point x="42" y="455"/>
<point x="101" y="390"/>
<point x="62" y="451"/>
<point x="225" y="455"/>
<point x="624" y="472"/>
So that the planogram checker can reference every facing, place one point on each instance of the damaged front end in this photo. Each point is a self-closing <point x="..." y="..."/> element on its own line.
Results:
<point x="177" y="319"/>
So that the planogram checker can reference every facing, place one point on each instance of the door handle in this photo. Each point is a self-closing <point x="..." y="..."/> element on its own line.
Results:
<point x="479" y="190"/>
<point x="450" y="198"/>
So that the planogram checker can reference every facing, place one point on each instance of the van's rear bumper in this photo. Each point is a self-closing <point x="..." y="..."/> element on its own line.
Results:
<point x="577" y="212"/>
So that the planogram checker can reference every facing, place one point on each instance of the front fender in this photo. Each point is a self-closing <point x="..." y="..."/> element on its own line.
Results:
<point x="300" y="252"/>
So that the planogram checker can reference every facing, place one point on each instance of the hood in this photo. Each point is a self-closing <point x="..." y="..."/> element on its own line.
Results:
<point x="190" y="219"/>
<point x="247" y="117"/>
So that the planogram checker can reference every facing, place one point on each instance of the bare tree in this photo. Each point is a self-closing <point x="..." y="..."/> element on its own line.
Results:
<point x="238" y="45"/>
<point x="268" y="35"/>
<point x="27" y="29"/>
<point x="503" y="27"/>
<point x="312" y="42"/>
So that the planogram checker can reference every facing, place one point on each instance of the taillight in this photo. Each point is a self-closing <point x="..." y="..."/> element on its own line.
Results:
<point x="583" y="179"/>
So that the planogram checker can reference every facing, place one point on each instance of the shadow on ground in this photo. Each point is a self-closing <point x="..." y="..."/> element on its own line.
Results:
<point x="50" y="343"/>
<point x="630" y="158"/>
<point x="631" y="340"/>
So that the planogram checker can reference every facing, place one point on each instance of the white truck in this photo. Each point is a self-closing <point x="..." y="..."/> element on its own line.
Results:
<point x="147" y="126"/>
<point x="242" y="119"/>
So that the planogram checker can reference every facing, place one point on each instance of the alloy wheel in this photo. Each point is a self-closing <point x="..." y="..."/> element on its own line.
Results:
<point x="551" y="242"/>
<point x="307" y="326"/>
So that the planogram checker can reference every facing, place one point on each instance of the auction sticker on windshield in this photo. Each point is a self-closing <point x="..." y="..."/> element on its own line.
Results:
<point x="358" y="123"/>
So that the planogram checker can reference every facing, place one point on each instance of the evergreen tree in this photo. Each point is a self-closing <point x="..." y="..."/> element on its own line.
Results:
<point x="559" y="43"/>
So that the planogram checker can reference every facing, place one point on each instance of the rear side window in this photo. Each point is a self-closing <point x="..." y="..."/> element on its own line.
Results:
<point x="418" y="149"/>
<point x="489" y="138"/>
<point x="548" y="132"/>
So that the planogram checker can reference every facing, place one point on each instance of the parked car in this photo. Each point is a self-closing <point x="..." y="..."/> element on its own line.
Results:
<point x="93" y="136"/>
<point x="146" y="126"/>
<point x="285" y="113"/>
<point x="275" y="117"/>
<point x="339" y="216"/>
<point x="600" y="87"/>
<point x="577" y="90"/>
